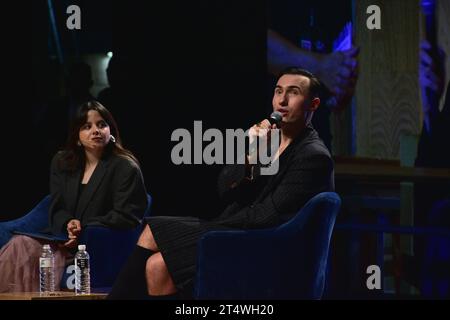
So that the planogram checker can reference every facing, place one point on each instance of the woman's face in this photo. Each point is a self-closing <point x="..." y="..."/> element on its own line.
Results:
<point x="95" y="134"/>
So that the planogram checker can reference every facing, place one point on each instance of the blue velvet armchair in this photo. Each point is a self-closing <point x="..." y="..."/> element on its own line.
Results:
<point x="284" y="262"/>
<point x="107" y="248"/>
<point x="36" y="219"/>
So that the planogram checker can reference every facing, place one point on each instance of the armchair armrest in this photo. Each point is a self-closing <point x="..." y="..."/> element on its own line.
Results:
<point x="237" y="261"/>
<point x="108" y="250"/>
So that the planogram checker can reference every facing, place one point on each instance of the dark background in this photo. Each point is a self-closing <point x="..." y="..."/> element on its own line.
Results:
<point x="191" y="61"/>
<point x="184" y="61"/>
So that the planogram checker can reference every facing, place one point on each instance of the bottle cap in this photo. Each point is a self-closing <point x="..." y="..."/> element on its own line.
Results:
<point x="46" y="246"/>
<point x="81" y="247"/>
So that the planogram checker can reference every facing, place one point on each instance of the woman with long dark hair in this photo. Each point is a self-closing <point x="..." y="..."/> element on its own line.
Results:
<point x="94" y="181"/>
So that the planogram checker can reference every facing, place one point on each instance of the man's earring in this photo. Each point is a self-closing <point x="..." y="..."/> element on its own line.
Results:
<point x="79" y="143"/>
<point x="112" y="139"/>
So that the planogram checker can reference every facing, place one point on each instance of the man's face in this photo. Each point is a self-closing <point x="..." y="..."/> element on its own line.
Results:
<point x="291" y="98"/>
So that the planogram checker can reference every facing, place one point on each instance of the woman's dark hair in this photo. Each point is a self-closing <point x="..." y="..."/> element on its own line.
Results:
<point x="74" y="157"/>
<point x="314" y="83"/>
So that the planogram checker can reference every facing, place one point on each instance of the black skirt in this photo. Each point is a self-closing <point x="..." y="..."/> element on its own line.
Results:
<point x="177" y="239"/>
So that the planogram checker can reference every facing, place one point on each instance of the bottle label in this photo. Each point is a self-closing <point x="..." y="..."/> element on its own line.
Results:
<point x="45" y="262"/>
<point x="82" y="263"/>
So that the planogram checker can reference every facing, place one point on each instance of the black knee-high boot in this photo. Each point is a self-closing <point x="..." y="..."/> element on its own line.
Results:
<point x="131" y="283"/>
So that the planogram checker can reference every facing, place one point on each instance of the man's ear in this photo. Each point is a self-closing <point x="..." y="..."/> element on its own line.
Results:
<point x="314" y="104"/>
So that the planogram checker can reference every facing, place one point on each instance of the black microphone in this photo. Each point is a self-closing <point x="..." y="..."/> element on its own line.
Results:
<point x="275" y="118"/>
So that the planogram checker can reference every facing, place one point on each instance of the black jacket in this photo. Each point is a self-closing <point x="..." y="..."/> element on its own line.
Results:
<point x="114" y="197"/>
<point x="305" y="169"/>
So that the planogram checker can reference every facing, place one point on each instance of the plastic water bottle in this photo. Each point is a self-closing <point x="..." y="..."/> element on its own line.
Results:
<point x="47" y="270"/>
<point x="82" y="276"/>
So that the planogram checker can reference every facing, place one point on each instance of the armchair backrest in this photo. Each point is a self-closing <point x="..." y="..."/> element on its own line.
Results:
<point x="310" y="229"/>
<point x="35" y="220"/>
<point x="149" y="206"/>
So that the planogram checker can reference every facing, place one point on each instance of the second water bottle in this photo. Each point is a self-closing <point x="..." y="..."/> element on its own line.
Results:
<point x="82" y="276"/>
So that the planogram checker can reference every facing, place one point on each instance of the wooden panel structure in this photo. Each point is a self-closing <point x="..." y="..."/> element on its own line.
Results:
<point x="372" y="171"/>
<point x="387" y="95"/>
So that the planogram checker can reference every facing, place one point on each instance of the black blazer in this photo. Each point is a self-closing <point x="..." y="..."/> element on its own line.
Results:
<point x="114" y="197"/>
<point x="305" y="169"/>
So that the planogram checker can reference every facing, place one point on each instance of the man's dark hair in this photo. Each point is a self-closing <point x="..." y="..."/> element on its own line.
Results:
<point x="314" y="83"/>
